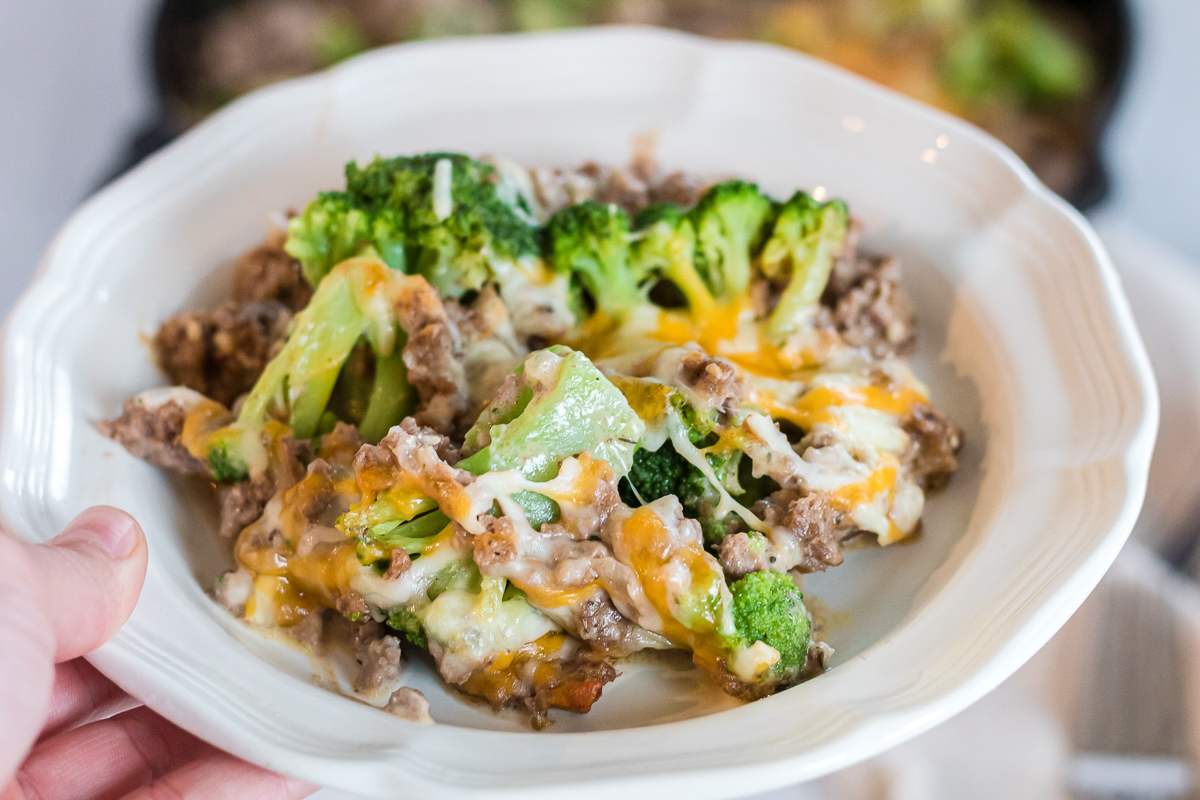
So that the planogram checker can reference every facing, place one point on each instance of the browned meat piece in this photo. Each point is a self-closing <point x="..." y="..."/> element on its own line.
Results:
<point x="382" y="665"/>
<point x="340" y="446"/>
<point x="739" y="557"/>
<point x="713" y="379"/>
<point x="873" y="313"/>
<point x="489" y="346"/>
<point x="435" y="367"/>
<point x="268" y="274"/>
<point x="626" y="188"/>
<point x="221" y="353"/>
<point x="363" y="633"/>
<point x="485" y="317"/>
<point x="375" y="467"/>
<point x="409" y="704"/>
<point x="153" y="434"/>
<point x="849" y="268"/>
<point x="400" y="564"/>
<point x="411" y="452"/>
<point x="353" y="606"/>
<point x="498" y="545"/>
<point x="602" y="626"/>
<point x="677" y="188"/>
<point x="307" y="632"/>
<point x="243" y="503"/>
<point x="633" y="187"/>
<point x="816" y="661"/>
<point x="711" y="382"/>
<point x="812" y="525"/>
<point x="575" y="688"/>
<point x="935" y="441"/>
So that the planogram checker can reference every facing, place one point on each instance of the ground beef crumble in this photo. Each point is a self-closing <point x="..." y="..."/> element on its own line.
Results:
<point x="268" y="274"/>
<point x="872" y="313"/>
<point x="221" y="353"/>
<point x="935" y="443"/>
<point x="811" y="521"/>
<point x="153" y="434"/>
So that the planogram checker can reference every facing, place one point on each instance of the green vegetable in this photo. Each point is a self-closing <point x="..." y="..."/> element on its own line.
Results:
<point x="459" y="575"/>
<point x="225" y="461"/>
<point x="806" y="239"/>
<point x="664" y="472"/>
<point x="591" y="242"/>
<point x="408" y="623"/>
<point x="339" y="40"/>
<point x="337" y="226"/>
<point x="442" y="215"/>
<point x="665" y="246"/>
<point x="658" y="473"/>
<point x="538" y="15"/>
<point x="298" y="384"/>
<point x="300" y="380"/>
<point x="1015" y="50"/>
<point x="767" y="607"/>
<point x="730" y="221"/>
<point x="562" y="406"/>
<point x="457" y="218"/>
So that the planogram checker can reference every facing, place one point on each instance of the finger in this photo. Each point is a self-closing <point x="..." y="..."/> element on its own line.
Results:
<point x="81" y="695"/>
<point x="90" y="576"/>
<point x="109" y="758"/>
<point x="59" y="600"/>
<point x="222" y="777"/>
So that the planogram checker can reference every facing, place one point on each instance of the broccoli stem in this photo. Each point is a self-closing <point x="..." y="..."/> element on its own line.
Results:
<point x="391" y="396"/>
<point x="305" y="372"/>
<point x="306" y="369"/>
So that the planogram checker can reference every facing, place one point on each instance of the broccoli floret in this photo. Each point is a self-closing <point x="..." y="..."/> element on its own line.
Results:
<point x="664" y="472"/>
<point x="665" y="246"/>
<point x="336" y="226"/>
<point x="443" y="215"/>
<point x="767" y="607"/>
<point x="591" y="242"/>
<point x="806" y="239"/>
<point x="655" y="474"/>
<point x="730" y="222"/>
<point x="408" y="623"/>
<point x="459" y="215"/>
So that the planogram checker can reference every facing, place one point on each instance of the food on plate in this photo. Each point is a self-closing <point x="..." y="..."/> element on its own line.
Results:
<point x="1025" y="71"/>
<point x="534" y="421"/>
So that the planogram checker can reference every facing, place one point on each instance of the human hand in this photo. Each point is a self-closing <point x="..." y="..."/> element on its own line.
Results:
<point x="89" y="740"/>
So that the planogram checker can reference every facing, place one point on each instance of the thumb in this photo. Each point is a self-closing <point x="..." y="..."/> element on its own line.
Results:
<point x="87" y="579"/>
<point x="57" y="601"/>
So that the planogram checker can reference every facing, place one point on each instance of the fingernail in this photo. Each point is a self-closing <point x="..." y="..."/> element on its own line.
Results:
<point x="113" y="530"/>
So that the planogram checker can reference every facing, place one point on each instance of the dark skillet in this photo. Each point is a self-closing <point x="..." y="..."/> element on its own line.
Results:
<point x="1109" y="32"/>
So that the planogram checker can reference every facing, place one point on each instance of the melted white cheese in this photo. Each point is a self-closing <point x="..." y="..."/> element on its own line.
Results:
<point x="471" y="636"/>
<point x="443" y="189"/>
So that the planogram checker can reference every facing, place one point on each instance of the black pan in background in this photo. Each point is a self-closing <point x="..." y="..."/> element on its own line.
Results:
<point x="1109" y="31"/>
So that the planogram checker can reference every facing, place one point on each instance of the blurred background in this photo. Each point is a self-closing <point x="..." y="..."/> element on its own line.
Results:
<point x="1100" y="97"/>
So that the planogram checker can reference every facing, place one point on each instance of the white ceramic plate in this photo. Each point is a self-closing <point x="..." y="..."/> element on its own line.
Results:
<point x="1026" y="341"/>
